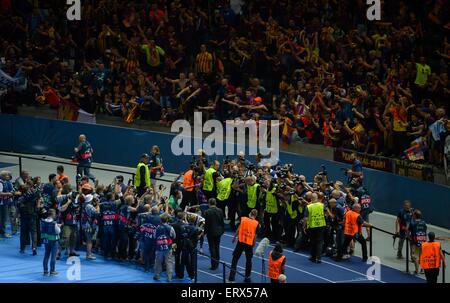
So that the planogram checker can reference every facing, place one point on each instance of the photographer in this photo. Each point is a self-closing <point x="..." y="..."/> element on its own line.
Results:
<point x="70" y="207"/>
<point x="109" y="216"/>
<point x="402" y="222"/>
<point x="355" y="174"/>
<point x="188" y="238"/>
<point x="7" y="194"/>
<point x="28" y="204"/>
<point x="119" y="181"/>
<point x="148" y="222"/>
<point x="365" y="200"/>
<point x="334" y="235"/>
<point x="126" y="232"/>
<point x="83" y="154"/>
<point x="90" y="211"/>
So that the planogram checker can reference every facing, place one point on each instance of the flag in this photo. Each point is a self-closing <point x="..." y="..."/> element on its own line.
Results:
<point x="415" y="153"/>
<point x="287" y="131"/>
<point x="67" y="111"/>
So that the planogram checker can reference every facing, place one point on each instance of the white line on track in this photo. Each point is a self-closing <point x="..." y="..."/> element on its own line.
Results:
<point x="323" y="261"/>
<point x="294" y="268"/>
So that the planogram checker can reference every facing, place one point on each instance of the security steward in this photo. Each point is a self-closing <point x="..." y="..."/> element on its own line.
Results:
<point x="142" y="177"/>
<point x="431" y="258"/>
<point x="223" y="192"/>
<point x="291" y="218"/>
<point x="276" y="263"/>
<point x="253" y="191"/>
<point x="246" y="234"/>
<point x="271" y="212"/>
<point x="189" y="197"/>
<point x="315" y="223"/>
<point x="209" y="180"/>
<point x="353" y="223"/>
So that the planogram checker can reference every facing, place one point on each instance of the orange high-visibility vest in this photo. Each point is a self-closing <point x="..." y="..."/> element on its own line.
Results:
<point x="62" y="177"/>
<point x="188" y="181"/>
<point x="247" y="231"/>
<point x="275" y="266"/>
<point x="351" y="227"/>
<point x="431" y="255"/>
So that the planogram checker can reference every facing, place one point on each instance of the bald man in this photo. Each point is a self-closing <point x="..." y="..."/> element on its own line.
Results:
<point x="353" y="222"/>
<point x="83" y="154"/>
<point x="315" y="223"/>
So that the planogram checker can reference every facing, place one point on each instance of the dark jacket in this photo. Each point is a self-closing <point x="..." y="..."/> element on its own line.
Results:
<point x="214" y="222"/>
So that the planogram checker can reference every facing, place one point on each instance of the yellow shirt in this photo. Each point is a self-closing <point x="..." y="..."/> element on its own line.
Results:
<point x="204" y="63"/>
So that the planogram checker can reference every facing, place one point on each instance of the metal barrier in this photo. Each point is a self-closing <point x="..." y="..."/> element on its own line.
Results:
<point x="395" y="236"/>
<point x="443" y="265"/>
<point x="224" y="267"/>
<point x="68" y="162"/>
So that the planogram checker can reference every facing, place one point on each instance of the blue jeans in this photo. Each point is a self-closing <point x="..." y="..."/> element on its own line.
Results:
<point x="50" y="253"/>
<point x="3" y="217"/>
<point x="149" y="253"/>
<point x="28" y="227"/>
<point x="84" y="169"/>
<point x="165" y="102"/>
<point x="109" y="242"/>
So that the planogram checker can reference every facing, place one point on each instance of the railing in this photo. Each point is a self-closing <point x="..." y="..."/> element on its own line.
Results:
<point x="443" y="265"/>
<point x="394" y="236"/>
<point x="223" y="263"/>
<point x="68" y="162"/>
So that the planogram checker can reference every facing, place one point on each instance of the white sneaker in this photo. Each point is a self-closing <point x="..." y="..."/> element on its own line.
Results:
<point x="91" y="257"/>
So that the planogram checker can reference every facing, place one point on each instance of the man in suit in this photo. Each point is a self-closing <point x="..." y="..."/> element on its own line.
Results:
<point x="214" y="229"/>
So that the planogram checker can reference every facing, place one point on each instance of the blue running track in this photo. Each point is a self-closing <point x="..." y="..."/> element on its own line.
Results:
<point x="25" y="268"/>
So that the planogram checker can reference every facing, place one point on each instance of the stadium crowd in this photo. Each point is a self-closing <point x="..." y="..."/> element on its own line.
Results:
<point x="320" y="67"/>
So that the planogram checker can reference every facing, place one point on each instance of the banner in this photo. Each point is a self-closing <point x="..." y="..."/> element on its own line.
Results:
<point x="410" y="169"/>
<point x="369" y="161"/>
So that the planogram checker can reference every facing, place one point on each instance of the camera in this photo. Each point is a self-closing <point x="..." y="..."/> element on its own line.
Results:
<point x="251" y="166"/>
<point x="323" y="171"/>
<point x="345" y="170"/>
<point x="73" y="195"/>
